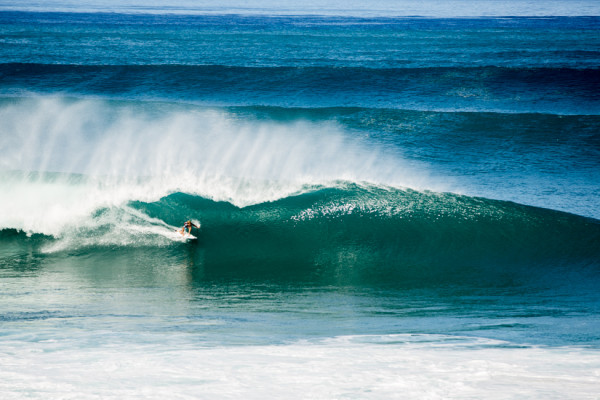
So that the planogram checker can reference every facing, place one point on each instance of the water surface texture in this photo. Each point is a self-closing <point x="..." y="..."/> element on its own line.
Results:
<point x="394" y="201"/>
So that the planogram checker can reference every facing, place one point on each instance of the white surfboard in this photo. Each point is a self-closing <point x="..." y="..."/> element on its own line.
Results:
<point x="187" y="236"/>
<point x="178" y="236"/>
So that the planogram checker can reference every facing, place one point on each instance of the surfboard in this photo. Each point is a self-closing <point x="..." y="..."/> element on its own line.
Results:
<point x="187" y="236"/>
<point x="178" y="236"/>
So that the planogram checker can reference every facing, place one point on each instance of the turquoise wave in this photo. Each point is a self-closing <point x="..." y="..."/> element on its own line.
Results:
<point x="362" y="235"/>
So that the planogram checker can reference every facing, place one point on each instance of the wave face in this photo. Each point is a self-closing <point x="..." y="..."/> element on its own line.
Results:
<point x="374" y="235"/>
<point x="347" y="234"/>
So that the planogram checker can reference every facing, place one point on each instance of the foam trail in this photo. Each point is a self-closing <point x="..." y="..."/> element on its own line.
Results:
<point x="127" y="151"/>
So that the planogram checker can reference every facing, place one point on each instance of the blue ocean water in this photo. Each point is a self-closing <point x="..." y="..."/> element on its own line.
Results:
<point x="394" y="202"/>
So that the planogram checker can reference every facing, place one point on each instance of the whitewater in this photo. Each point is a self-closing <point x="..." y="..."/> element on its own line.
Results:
<point x="397" y="200"/>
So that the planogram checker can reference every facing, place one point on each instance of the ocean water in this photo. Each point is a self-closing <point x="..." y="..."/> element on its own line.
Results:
<point x="395" y="200"/>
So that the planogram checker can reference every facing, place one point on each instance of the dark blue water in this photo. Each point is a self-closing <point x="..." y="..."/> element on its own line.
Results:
<point x="379" y="185"/>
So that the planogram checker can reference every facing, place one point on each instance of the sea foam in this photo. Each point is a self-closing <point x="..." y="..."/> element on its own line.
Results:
<point x="367" y="367"/>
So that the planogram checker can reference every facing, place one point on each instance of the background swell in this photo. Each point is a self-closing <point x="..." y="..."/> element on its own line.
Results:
<point x="534" y="90"/>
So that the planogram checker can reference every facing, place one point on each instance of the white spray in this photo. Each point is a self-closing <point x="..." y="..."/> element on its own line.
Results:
<point x="109" y="153"/>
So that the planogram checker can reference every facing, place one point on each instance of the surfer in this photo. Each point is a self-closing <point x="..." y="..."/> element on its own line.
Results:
<point x="188" y="224"/>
